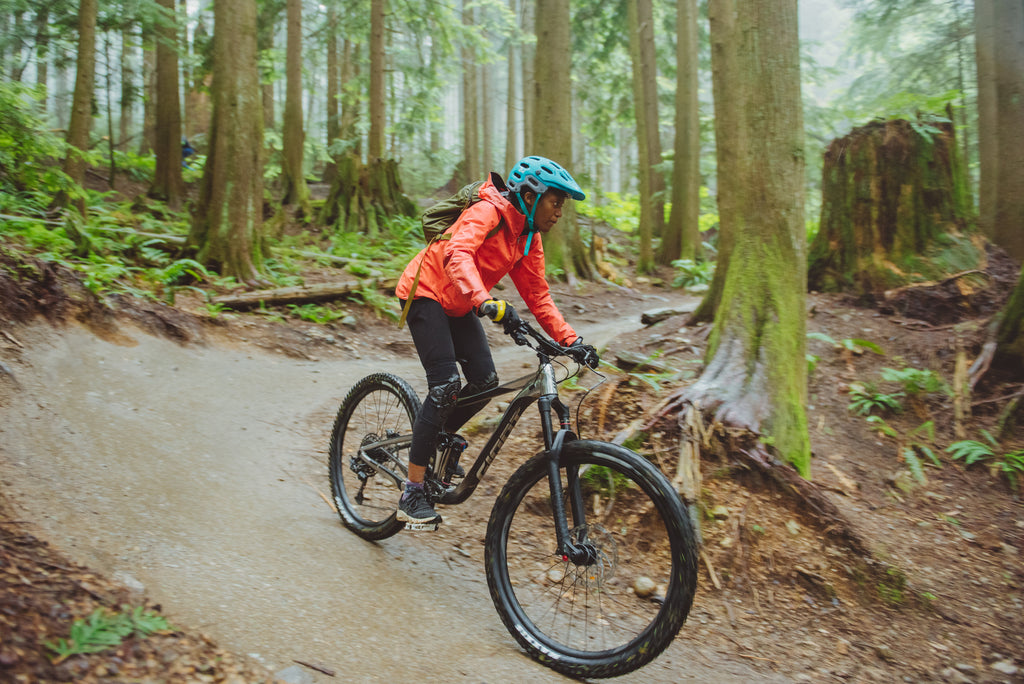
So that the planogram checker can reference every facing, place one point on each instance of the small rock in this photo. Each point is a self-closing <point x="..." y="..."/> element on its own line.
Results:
<point x="644" y="586"/>
<point x="726" y="542"/>
<point x="1010" y="550"/>
<point x="1006" y="667"/>
<point x="720" y="512"/>
<point x="555" y="575"/>
<point x="793" y="527"/>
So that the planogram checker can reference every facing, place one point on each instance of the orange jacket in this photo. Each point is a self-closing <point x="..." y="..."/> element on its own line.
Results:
<point x="459" y="273"/>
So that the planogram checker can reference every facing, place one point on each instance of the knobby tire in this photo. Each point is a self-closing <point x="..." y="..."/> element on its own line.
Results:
<point x="593" y="620"/>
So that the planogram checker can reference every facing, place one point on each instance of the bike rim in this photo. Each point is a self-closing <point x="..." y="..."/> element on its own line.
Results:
<point x="379" y="414"/>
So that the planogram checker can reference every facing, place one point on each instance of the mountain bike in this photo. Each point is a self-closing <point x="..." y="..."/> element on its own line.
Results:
<point x="590" y="556"/>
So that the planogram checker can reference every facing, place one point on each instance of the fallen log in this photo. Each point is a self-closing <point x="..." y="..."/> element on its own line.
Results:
<point x="302" y="294"/>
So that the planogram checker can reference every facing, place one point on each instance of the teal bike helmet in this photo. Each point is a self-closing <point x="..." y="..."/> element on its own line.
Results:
<point x="539" y="174"/>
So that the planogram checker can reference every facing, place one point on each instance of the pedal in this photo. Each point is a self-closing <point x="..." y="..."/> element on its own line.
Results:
<point x="422" y="527"/>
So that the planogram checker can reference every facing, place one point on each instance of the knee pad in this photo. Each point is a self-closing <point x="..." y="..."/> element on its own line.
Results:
<point x="490" y="382"/>
<point x="444" y="396"/>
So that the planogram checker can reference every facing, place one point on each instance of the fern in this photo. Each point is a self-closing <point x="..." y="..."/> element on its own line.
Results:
<point x="865" y="400"/>
<point x="915" y="465"/>
<point x="104" y="629"/>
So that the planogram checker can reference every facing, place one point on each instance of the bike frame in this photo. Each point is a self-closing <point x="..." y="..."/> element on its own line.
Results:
<point x="540" y="387"/>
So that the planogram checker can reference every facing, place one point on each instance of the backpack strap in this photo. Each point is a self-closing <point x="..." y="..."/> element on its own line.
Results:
<point x="416" y="280"/>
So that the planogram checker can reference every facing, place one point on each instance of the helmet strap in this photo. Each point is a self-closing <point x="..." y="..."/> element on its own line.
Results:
<point x="530" y="229"/>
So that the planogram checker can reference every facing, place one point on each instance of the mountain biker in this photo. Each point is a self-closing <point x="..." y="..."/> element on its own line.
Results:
<point x="453" y="294"/>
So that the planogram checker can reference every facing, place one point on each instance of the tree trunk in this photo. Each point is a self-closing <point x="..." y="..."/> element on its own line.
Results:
<point x="988" y="141"/>
<point x="756" y="374"/>
<point x="362" y="196"/>
<point x="1008" y="228"/>
<point x="893" y="210"/>
<point x="293" y="177"/>
<point x="375" y="143"/>
<point x="512" y="151"/>
<point x="1010" y="333"/>
<point x="147" y="142"/>
<point x="81" y="106"/>
<point x="227" y="226"/>
<point x="167" y="182"/>
<point x="645" y="96"/>
<point x="124" y="121"/>
<point x="528" y="57"/>
<point x="43" y="50"/>
<point x="333" y="122"/>
<point x="552" y="117"/>
<point x="682" y="235"/>
<point x="729" y="139"/>
<point x="473" y="169"/>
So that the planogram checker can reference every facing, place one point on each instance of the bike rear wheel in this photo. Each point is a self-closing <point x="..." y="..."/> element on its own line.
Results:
<point x="371" y="436"/>
<point x="616" y="611"/>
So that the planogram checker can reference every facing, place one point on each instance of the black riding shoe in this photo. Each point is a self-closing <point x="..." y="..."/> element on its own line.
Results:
<point x="414" y="509"/>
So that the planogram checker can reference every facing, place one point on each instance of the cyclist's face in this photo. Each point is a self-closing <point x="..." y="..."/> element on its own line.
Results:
<point x="549" y="210"/>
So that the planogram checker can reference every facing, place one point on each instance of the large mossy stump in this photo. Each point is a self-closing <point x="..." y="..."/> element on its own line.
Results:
<point x="363" y="195"/>
<point x="895" y="211"/>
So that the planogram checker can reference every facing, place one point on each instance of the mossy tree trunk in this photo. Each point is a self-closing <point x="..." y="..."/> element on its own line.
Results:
<point x="756" y="374"/>
<point x="1010" y="333"/>
<point x="227" y="226"/>
<point x="363" y="196"/>
<point x="894" y="210"/>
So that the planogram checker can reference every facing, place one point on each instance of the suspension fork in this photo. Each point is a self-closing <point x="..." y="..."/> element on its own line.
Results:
<point x="555" y="441"/>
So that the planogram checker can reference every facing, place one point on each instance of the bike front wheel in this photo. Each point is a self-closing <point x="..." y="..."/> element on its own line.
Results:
<point x="618" y="608"/>
<point x="369" y="453"/>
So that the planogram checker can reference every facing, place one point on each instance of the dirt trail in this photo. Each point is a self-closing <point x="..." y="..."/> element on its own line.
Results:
<point x="196" y="471"/>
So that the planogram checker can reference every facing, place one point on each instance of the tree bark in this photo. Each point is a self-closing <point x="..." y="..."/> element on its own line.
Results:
<point x="645" y="89"/>
<point x="147" y="142"/>
<point x="894" y="208"/>
<point x="473" y="169"/>
<point x="682" y="235"/>
<point x="227" y="226"/>
<point x="528" y="57"/>
<point x="984" y="32"/>
<point x="552" y="119"/>
<point x="167" y="182"/>
<point x="43" y="50"/>
<point x="293" y="177"/>
<point x="1008" y="228"/>
<point x="81" y="106"/>
<point x="333" y="122"/>
<point x="375" y="143"/>
<point x="756" y="374"/>
<point x="729" y="140"/>
<point x="124" y="121"/>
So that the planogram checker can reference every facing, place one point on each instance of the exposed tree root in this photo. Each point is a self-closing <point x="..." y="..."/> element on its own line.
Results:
<point x="741" y="443"/>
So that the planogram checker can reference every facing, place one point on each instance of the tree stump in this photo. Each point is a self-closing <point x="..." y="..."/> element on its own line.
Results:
<point x="362" y="196"/>
<point x="894" y="210"/>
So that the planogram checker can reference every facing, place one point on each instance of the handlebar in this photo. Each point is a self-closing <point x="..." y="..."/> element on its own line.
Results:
<point x="543" y="344"/>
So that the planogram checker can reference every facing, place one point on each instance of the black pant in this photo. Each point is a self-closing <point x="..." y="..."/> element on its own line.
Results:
<point x="444" y="343"/>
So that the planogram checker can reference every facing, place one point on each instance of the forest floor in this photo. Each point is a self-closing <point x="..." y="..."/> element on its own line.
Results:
<point x="940" y="597"/>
